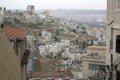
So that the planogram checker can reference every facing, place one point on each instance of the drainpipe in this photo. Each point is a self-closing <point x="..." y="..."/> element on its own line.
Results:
<point x="15" y="46"/>
<point x="111" y="67"/>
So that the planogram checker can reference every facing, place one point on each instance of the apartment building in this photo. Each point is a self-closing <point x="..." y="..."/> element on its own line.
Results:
<point x="94" y="63"/>
<point x="13" y="54"/>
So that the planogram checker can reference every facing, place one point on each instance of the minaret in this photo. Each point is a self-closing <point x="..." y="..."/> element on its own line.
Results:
<point x="113" y="26"/>
<point x="113" y="11"/>
<point x="113" y="36"/>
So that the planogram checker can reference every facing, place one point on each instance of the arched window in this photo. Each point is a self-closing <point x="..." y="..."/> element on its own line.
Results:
<point x="118" y="44"/>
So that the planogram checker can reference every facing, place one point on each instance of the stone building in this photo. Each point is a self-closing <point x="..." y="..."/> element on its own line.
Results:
<point x="46" y="13"/>
<point x="113" y="37"/>
<point x="30" y="16"/>
<point x="9" y="61"/>
<point x="1" y="15"/>
<point x="97" y="32"/>
<point x="12" y="43"/>
<point x="30" y="9"/>
<point x="94" y="62"/>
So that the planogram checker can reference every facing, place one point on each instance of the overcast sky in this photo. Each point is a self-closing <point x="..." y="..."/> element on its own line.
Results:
<point x="54" y="4"/>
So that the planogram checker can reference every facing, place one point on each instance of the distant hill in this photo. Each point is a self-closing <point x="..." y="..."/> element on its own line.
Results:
<point x="80" y="15"/>
<point x="74" y="11"/>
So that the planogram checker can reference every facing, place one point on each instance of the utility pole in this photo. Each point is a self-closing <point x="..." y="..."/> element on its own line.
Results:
<point x="111" y="66"/>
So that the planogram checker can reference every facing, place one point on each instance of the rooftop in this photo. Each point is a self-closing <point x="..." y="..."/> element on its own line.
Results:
<point x="48" y="29"/>
<point x="97" y="47"/>
<point x="12" y="32"/>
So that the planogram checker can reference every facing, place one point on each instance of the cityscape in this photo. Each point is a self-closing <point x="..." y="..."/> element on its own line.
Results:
<point x="60" y="44"/>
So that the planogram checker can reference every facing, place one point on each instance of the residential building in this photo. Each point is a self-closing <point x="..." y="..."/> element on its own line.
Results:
<point x="97" y="32"/>
<point x="12" y="43"/>
<point x="42" y="15"/>
<point x="65" y="43"/>
<point x="9" y="61"/>
<point x="94" y="63"/>
<point x="46" y="32"/>
<point x="30" y="41"/>
<point x="53" y="48"/>
<point x="1" y="14"/>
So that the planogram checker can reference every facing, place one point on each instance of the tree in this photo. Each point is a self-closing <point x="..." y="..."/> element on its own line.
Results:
<point x="7" y="22"/>
<point x="57" y="32"/>
<point x="55" y="38"/>
<point x="73" y="30"/>
<point x="16" y="20"/>
<point x="77" y="27"/>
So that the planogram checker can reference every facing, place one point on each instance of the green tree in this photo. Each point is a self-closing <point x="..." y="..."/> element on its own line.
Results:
<point x="57" y="32"/>
<point x="7" y="22"/>
<point x="55" y="38"/>
<point x="16" y="20"/>
<point x="73" y="30"/>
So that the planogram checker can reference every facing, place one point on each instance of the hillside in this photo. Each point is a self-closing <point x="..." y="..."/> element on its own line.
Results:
<point x="80" y="15"/>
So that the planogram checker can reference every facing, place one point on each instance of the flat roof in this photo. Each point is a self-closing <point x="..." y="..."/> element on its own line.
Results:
<point x="97" y="47"/>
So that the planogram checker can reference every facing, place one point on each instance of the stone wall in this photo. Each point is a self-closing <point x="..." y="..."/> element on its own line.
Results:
<point x="113" y="28"/>
<point x="9" y="62"/>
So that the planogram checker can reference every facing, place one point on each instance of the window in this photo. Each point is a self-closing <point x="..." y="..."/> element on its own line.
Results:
<point x="96" y="67"/>
<point x="118" y="75"/>
<point x="118" y="44"/>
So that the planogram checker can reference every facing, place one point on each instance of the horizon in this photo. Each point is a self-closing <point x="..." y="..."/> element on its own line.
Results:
<point x="61" y="9"/>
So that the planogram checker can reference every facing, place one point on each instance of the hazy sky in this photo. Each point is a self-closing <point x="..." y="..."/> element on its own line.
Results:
<point x="54" y="4"/>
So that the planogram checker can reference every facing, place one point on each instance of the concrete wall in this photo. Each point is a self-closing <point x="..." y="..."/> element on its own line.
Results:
<point x="97" y="49"/>
<point x="9" y="62"/>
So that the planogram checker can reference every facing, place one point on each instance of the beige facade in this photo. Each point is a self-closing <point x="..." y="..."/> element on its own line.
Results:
<point x="113" y="34"/>
<point x="94" y="61"/>
<point x="53" y="48"/>
<point x="113" y="28"/>
<point x="97" y="49"/>
<point x="10" y="68"/>
<point x="1" y="14"/>
<point x="12" y="51"/>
